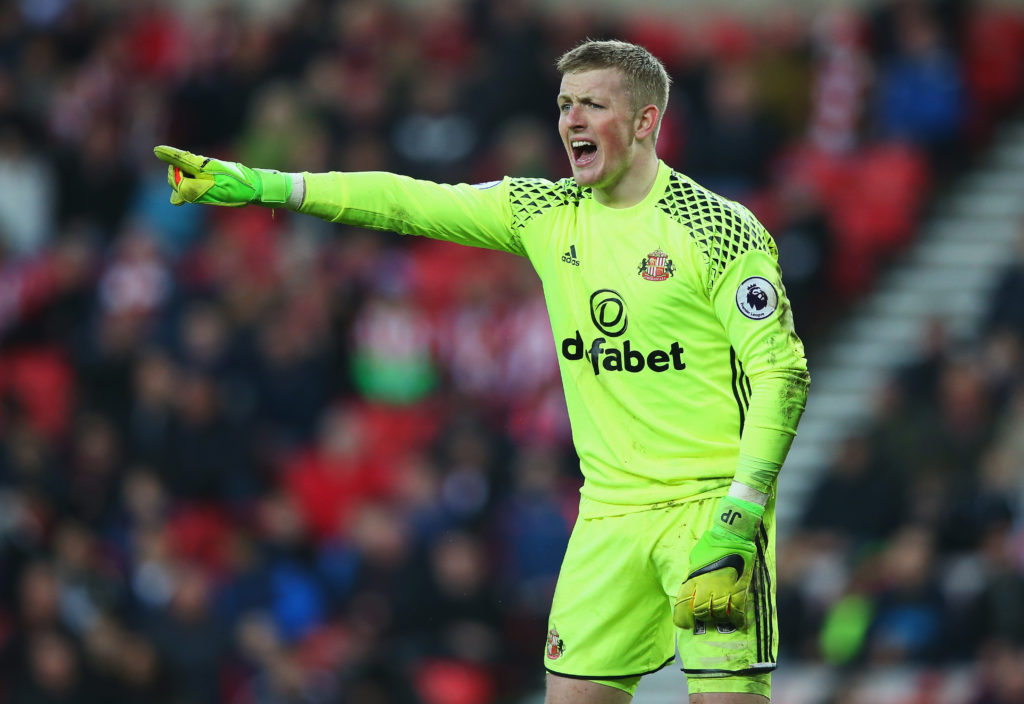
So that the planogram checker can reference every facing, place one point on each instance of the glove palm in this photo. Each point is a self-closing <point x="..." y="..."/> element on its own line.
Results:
<point x="198" y="179"/>
<point x="720" y="568"/>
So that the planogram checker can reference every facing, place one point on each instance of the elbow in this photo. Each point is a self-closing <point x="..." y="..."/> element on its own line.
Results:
<point x="794" y="396"/>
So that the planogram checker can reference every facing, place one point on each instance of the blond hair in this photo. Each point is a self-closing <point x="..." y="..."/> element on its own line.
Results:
<point x="646" y="79"/>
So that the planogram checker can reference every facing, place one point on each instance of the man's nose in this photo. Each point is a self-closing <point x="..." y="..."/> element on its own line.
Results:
<point x="574" y="117"/>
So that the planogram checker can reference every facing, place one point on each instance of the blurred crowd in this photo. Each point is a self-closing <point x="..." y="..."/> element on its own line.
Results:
<point x="249" y="457"/>
<point x="909" y="550"/>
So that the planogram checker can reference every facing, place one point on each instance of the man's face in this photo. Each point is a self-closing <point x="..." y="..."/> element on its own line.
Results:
<point x="597" y="125"/>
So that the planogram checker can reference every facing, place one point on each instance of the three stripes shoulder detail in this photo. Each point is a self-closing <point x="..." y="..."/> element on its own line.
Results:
<point x="740" y="386"/>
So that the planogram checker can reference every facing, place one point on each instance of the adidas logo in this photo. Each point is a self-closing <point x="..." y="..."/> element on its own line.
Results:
<point x="570" y="256"/>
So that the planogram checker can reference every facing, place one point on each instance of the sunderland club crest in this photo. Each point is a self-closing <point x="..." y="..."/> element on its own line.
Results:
<point x="656" y="266"/>
<point x="555" y="645"/>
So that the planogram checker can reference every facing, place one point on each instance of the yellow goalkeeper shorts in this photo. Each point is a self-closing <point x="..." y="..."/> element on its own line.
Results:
<point x="611" y="616"/>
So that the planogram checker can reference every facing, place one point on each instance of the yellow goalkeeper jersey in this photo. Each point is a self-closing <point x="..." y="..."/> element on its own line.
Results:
<point x="675" y="338"/>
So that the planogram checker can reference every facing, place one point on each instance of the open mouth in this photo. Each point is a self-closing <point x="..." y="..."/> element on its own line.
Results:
<point x="583" y="151"/>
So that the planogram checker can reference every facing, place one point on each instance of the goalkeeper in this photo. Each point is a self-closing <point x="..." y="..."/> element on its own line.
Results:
<point x="683" y="375"/>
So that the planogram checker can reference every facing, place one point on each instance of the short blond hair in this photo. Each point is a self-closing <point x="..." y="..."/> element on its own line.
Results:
<point x="646" y="79"/>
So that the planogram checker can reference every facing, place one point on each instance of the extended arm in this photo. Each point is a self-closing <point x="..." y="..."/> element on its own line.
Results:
<point x="472" y="215"/>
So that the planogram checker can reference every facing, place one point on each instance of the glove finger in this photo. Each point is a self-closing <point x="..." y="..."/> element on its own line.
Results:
<point x="186" y="161"/>
<point x="682" y="615"/>
<point x="704" y="609"/>
<point x="174" y="176"/>
<point x="192" y="190"/>
<point x="737" y="614"/>
<point x="682" y="611"/>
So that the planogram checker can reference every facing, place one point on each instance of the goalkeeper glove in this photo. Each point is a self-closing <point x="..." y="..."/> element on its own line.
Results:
<point x="198" y="179"/>
<point x="720" y="568"/>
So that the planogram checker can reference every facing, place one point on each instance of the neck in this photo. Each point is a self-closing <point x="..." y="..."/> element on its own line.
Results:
<point x="634" y="185"/>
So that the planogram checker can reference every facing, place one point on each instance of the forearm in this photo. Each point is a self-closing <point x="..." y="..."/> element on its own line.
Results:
<point x="777" y="402"/>
<point x="380" y="201"/>
<point x="386" y="201"/>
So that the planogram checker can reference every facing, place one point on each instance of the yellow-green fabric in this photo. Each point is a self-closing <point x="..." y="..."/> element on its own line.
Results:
<point x="742" y="684"/>
<point x="626" y="684"/>
<point x="611" y="612"/>
<point x="674" y="334"/>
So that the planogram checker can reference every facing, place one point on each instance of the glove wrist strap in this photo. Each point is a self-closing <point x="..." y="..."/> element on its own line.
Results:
<point x="737" y="517"/>
<point x="277" y="187"/>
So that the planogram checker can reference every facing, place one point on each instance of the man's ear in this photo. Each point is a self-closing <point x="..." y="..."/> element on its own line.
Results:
<point x="647" y="122"/>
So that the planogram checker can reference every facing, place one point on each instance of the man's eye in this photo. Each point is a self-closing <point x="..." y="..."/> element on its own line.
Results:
<point x="564" y="107"/>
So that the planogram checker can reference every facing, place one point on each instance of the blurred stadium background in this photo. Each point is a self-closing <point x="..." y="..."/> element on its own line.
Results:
<point x="252" y="458"/>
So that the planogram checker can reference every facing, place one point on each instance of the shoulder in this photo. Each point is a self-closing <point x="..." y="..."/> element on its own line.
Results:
<point x="531" y="197"/>
<point x="721" y="229"/>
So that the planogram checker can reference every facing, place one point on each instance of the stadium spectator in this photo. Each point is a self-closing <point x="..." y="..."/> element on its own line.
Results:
<point x="729" y="149"/>
<point x="920" y="94"/>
